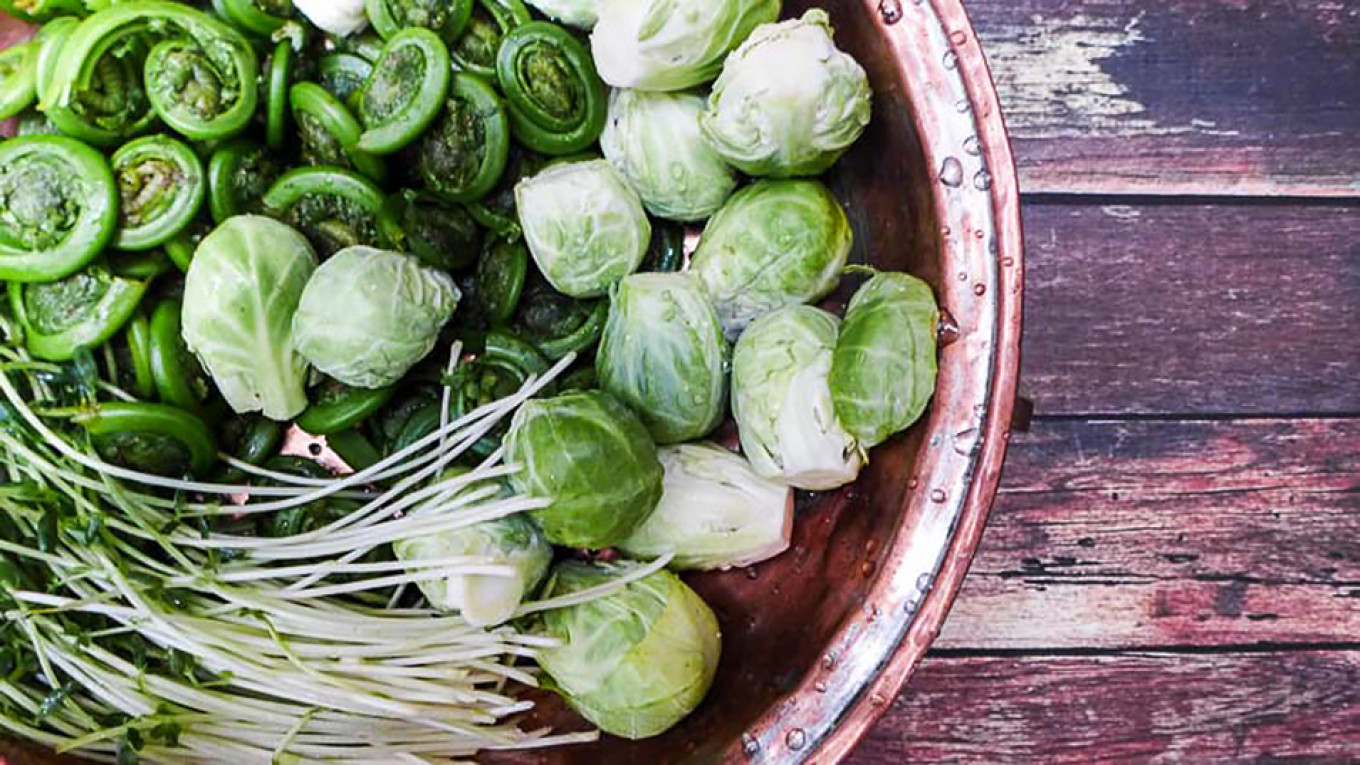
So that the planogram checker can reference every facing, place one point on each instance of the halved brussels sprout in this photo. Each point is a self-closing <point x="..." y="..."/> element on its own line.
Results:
<point x="585" y="226"/>
<point x="774" y="244"/>
<point x="715" y="512"/>
<point x="243" y="287"/>
<point x="663" y="354"/>
<point x="368" y="315"/>
<point x="654" y="140"/>
<point x="594" y="460"/>
<point x="635" y="662"/>
<point x="670" y="45"/>
<point x="883" y="370"/>
<point x="581" y="14"/>
<point x="782" y="401"/>
<point x="788" y="102"/>
<point x="483" y="600"/>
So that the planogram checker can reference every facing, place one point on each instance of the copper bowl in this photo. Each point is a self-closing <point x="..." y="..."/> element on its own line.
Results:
<point x="819" y="641"/>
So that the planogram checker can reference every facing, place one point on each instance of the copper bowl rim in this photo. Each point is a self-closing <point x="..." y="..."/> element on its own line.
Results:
<point x="937" y="54"/>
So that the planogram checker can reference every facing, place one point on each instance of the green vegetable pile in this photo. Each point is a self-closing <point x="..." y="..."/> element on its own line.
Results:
<point x="342" y="335"/>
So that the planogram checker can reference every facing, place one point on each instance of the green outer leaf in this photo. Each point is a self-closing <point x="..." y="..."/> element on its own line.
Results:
<point x="883" y="371"/>
<point x="593" y="458"/>
<point x="774" y="244"/>
<point x="240" y="295"/>
<point x="635" y="662"/>
<point x="663" y="354"/>
<point x="414" y="105"/>
<point x="186" y="187"/>
<point x="103" y="303"/>
<point x="84" y="184"/>
<point x="522" y="63"/>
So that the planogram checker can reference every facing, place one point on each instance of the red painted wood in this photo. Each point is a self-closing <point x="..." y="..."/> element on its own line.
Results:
<point x="1239" y="97"/>
<point x="1191" y="309"/>
<point x="1151" y="534"/>
<point x="1129" y="707"/>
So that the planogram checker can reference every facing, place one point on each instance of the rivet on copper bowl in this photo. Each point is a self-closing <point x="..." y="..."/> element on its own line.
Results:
<point x="818" y="642"/>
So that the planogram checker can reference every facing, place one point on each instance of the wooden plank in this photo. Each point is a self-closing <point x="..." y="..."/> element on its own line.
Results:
<point x="1130" y="707"/>
<point x="1153" y="534"/>
<point x="1173" y="309"/>
<point x="1232" y="97"/>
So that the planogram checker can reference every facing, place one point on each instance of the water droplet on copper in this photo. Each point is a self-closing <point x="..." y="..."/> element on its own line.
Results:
<point x="966" y="442"/>
<point x="890" y="10"/>
<point x="749" y="745"/>
<point x="951" y="60"/>
<point x="1008" y="262"/>
<point x="752" y="573"/>
<point x="796" y="739"/>
<point x="949" y="328"/>
<point x="867" y="568"/>
<point x="979" y="289"/>
<point x="819" y="686"/>
<point x="829" y="662"/>
<point x="963" y="276"/>
<point x="878" y="699"/>
<point x="962" y="106"/>
<point x="945" y="232"/>
<point x="983" y="180"/>
<point x="923" y="581"/>
<point x="951" y="172"/>
<point x="913" y="483"/>
<point x="938" y="495"/>
<point x="873" y="614"/>
<point x="958" y="37"/>
<point x="970" y="146"/>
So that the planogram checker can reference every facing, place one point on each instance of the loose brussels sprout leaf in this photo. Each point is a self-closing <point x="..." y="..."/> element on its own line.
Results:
<point x="883" y="370"/>
<point x="715" y="512"/>
<point x="654" y="140"/>
<point x="369" y="315"/>
<point x="788" y="102"/>
<point x="635" y="662"/>
<point x="774" y="244"/>
<point x="782" y="401"/>
<point x="581" y="14"/>
<point x="671" y="44"/>
<point x="484" y="600"/>
<point x="663" y="354"/>
<point x="594" y="460"/>
<point x="243" y="287"/>
<point x="585" y="226"/>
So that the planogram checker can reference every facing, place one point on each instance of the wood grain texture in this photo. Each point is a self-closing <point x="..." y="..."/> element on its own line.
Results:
<point x="1302" y="706"/>
<point x="1151" y="534"/>
<point x="1231" y="97"/>
<point x="1192" y="309"/>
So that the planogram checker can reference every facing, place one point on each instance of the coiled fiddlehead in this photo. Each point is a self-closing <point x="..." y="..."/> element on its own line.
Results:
<point x="58" y="207"/>
<point x="405" y="92"/>
<point x="491" y="20"/>
<point x="447" y="18"/>
<point x="239" y="174"/>
<point x="329" y="132"/>
<point x="440" y="233"/>
<point x="463" y="154"/>
<point x="144" y="58"/>
<point x="261" y="17"/>
<point x="335" y="208"/>
<point x="161" y="186"/>
<point x="557" y="102"/>
<point x="82" y="311"/>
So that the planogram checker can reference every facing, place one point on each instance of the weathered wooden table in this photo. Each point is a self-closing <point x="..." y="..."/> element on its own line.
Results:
<point x="1172" y="569"/>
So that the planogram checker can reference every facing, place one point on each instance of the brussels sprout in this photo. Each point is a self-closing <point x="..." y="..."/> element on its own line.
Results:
<point x="635" y="662"/>
<point x="585" y="226"/>
<point x="664" y="355"/>
<point x="788" y="102"/>
<point x="483" y="600"/>
<point x="369" y="315"/>
<point x="715" y="512"/>
<point x="774" y="244"/>
<point x="242" y="290"/>
<point x="883" y="370"/>
<point x="653" y="139"/>
<point x="782" y="401"/>
<point x="671" y="44"/>
<point x="581" y="14"/>
<point x="594" y="460"/>
<point x="339" y="17"/>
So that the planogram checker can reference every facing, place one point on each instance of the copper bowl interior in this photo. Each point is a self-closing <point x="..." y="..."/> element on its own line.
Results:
<point x="818" y="640"/>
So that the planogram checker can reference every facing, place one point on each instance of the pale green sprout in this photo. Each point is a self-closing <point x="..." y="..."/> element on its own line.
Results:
<point x="663" y="354"/>
<point x="782" y="401"/>
<point x="635" y="662"/>
<point x="581" y="14"/>
<point x="584" y="225"/>
<point x="788" y="103"/>
<point x="368" y="315"/>
<point x="715" y="512"/>
<point x="654" y="140"/>
<point x="240" y="295"/>
<point x="592" y="459"/>
<point x="671" y="44"/>
<point x="883" y="371"/>
<point x="774" y="244"/>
